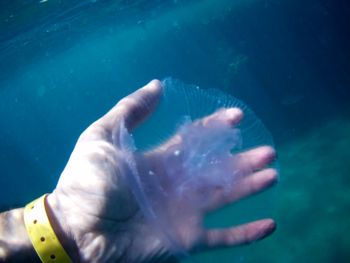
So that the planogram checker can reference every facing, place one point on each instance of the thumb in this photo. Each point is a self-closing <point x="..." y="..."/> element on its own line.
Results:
<point x="134" y="108"/>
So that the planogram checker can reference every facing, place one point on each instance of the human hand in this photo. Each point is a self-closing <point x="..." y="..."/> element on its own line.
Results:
<point x="101" y="219"/>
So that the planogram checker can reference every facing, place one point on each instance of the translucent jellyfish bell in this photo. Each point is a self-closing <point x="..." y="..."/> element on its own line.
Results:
<point x="175" y="164"/>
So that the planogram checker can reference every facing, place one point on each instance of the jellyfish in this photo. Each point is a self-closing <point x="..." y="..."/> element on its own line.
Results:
<point x="197" y="159"/>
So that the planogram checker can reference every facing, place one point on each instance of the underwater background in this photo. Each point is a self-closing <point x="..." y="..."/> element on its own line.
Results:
<point x="64" y="63"/>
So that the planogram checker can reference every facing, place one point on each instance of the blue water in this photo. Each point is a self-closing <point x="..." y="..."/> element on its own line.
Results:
<point x="65" y="63"/>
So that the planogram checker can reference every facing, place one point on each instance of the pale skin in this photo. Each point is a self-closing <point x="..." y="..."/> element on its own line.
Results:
<point x="96" y="216"/>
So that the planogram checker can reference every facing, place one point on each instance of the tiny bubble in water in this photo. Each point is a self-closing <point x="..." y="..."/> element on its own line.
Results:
<point x="177" y="152"/>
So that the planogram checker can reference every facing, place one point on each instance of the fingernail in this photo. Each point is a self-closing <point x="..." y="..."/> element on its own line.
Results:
<point x="233" y="114"/>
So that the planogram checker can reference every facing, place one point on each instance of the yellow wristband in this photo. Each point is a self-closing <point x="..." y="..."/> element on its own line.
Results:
<point x="41" y="234"/>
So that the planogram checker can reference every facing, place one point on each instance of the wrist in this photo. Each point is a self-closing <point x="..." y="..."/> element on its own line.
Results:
<point x="61" y="227"/>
